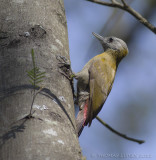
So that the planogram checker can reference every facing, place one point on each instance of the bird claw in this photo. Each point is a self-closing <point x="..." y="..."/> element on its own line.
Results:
<point x="65" y="67"/>
<point x="63" y="61"/>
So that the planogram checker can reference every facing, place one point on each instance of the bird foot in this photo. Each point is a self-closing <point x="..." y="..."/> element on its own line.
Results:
<point x="65" y="67"/>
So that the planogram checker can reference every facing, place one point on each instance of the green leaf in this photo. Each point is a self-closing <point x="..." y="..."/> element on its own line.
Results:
<point x="36" y="68"/>
<point x="31" y="77"/>
<point x="31" y="71"/>
<point x="35" y="74"/>
<point x="39" y="78"/>
<point x="31" y="74"/>
<point x="37" y="82"/>
<point x="32" y="82"/>
<point x="33" y="57"/>
<point x="32" y="52"/>
<point x="39" y="74"/>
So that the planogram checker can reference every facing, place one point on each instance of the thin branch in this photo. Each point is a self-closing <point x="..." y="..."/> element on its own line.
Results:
<point x="113" y="4"/>
<point x="34" y="96"/>
<point x="113" y="1"/>
<point x="124" y="3"/>
<point x="118" y="133"/>
<point x="127" y="8"/>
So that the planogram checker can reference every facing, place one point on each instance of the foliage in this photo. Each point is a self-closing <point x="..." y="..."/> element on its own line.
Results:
<point x="35" y="75"/>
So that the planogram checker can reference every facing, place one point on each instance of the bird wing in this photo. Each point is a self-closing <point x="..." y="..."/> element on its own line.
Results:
<point x="100" y="81"/>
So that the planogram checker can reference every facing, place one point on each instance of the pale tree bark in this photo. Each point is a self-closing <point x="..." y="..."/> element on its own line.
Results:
<point x="50" y="134"/>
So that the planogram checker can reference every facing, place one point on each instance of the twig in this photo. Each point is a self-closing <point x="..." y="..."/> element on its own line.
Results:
<point x="34" y="96"/>
<point x="118" y="133"/>
<point x="113" y="1"/>
<point x="127" y="8"/>
<point x="124" y="3"/>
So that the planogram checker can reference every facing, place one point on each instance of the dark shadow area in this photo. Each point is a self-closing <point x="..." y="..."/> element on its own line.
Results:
<point x="12" y="132"/>
<point x="20" y="128"/>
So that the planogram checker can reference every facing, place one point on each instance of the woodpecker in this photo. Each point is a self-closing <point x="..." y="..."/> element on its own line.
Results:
<point x="96" y="78"/>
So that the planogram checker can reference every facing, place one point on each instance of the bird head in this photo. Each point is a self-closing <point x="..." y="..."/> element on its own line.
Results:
<point x="117" y="46"/>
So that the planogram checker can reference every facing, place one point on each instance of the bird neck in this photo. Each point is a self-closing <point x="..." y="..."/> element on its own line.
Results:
<point x="110" y="57"/>
<point x="113" y="55"/>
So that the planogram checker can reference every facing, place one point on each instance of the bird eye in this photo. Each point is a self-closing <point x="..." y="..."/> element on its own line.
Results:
<point x="110" y="39"/>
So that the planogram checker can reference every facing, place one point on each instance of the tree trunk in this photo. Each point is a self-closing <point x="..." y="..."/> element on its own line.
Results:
<point x="50" y="133"/>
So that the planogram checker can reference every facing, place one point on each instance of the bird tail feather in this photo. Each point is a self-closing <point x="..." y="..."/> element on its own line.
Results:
<point x="81" y="119"/>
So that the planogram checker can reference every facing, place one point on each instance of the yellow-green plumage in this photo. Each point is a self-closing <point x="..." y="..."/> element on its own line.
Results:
<point x="102" y="73"/>
<point x="96" y="78"/>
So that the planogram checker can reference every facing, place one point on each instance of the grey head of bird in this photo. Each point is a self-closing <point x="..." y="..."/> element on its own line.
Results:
<point x="117" y="46"/>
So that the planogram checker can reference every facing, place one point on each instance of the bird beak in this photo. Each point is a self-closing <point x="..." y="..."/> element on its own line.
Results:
<point x="100" y="38"/>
